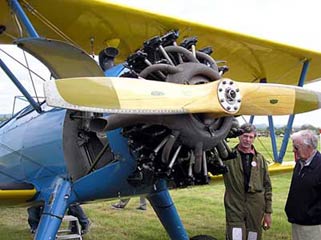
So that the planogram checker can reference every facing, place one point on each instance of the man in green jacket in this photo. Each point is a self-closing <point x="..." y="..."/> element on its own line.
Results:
<point x="248" y="190"/>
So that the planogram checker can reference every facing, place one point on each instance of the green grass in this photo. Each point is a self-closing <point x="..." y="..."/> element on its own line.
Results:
<point x="201" y="209"/>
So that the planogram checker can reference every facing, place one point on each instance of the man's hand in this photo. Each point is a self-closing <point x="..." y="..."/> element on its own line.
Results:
<point x="267" y="221"/>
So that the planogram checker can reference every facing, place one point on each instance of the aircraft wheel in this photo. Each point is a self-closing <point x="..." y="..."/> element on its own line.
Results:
<point x="203" y="237"/>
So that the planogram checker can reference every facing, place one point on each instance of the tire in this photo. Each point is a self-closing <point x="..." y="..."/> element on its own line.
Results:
<point x="203" y="237"/>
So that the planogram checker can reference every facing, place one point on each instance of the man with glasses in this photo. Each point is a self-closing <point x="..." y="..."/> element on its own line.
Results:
<point x="303" y="206"/>
<point x="248" y="190"/>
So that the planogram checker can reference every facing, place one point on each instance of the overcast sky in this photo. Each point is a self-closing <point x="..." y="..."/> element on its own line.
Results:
<point x="293" y="22"/>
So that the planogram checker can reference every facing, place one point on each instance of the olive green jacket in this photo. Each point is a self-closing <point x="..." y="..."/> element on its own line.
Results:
<point x="259" y="195"/>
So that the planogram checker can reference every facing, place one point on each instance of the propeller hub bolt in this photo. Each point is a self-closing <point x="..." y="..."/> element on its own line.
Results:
<point x="231" y="94"/>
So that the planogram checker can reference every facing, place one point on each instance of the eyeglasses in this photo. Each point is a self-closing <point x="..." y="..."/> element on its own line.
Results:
<point x="297" y="147"/>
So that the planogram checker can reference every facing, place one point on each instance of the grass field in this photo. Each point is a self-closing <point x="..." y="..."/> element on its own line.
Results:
<point x="201" y="209"/>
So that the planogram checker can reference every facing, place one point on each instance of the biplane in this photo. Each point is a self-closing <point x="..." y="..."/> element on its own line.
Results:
<point x="152" y="114"/>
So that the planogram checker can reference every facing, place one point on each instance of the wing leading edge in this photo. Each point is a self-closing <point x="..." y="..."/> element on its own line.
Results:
<point x="96" y="24"/>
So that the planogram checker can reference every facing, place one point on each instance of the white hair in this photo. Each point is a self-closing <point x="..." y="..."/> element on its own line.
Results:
<point x="308" y="137"/>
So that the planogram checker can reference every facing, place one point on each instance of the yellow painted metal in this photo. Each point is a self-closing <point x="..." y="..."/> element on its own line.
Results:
<point x="274" y="169"/>
<point x="13" y="197"/>
<point x="96" y="24"/>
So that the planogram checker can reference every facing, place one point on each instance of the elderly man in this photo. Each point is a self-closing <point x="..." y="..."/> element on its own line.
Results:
<point x="303" y="206"/>
<point x="248" y="190"/>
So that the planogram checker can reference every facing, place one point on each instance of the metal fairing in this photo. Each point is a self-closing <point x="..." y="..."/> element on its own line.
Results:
<point x="111" y="180"/>
<point x="31" y="148"/>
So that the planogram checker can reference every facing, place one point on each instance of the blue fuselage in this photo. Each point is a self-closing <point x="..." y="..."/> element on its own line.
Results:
<point x="31" y="147"/>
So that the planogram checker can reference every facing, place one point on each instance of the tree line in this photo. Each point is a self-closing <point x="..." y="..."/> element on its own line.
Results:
<point x="280" y="131"/>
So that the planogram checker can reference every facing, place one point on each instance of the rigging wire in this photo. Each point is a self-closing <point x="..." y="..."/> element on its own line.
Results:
<point x="26" y="67"/>
<point x="31" y="78"/>
<point x="18" y="25"/>
<point x="46" y="22"/>
<point x="9" y="35"/>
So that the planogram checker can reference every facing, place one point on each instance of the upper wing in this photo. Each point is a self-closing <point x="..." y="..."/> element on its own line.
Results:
<point x="95" y="24"/>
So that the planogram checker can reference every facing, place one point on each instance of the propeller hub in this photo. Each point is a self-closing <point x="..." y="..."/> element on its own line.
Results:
<point x="229" y="96"/>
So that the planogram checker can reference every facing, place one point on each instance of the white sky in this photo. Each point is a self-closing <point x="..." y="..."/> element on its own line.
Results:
<point x="292" y="22"/>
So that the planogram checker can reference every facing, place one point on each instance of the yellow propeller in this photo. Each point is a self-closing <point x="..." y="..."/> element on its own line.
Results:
<point x="139" y="96"/>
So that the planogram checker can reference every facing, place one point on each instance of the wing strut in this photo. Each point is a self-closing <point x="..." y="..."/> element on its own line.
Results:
<point x="25" y="93"/>
<point x="16" y="7"/>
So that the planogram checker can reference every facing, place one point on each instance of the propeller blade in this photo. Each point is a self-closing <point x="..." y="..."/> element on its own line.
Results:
<point x="139" y="96"/>
<point x="129" y="95"/>
<point x="276" y="99"/>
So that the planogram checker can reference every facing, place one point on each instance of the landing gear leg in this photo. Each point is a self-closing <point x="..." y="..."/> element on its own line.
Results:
<point x="54" y="211"/>
<point x="165" y="209"/>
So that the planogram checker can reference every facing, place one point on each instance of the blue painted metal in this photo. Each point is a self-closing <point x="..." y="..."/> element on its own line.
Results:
<point x="115" y="175"/>
<point x="19" y="86"/>
<point x="287" y="133"/>
<point x="108" y="182"/>
<point x="288" y="129"/>
<point x="31" y="147"/>
<point x="54" y="210"/>
<point x="273" y="139"/>
<point x="115" y="71"/>
<point x="251" y="119"/>
<point x="164" y="207"/>
<point x="16" y="7"/>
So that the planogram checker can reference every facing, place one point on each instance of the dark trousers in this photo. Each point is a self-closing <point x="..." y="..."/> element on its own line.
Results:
<point x="34" y="215"/>
<point x="77" y="211"/>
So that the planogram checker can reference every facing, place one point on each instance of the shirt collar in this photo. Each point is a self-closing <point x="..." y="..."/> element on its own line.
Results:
<point x="252" y="150"/>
